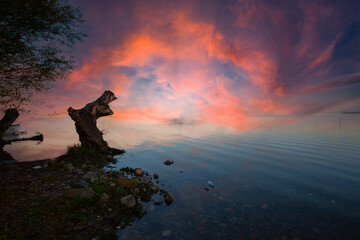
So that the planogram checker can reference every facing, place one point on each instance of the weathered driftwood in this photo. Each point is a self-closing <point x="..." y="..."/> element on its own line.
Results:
<point x="9" y="118"/>
<point x="39" y="137"/>
<point x="85" y="123"/>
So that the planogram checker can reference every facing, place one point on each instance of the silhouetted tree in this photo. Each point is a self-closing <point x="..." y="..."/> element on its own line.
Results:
<point x="35" y="36"/>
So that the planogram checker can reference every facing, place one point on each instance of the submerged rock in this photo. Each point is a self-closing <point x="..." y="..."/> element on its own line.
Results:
<point x="168" y="162"/>
<point x="169" y="198"/>
<point x="128" y="201"/>
<point x="156" y="176"/>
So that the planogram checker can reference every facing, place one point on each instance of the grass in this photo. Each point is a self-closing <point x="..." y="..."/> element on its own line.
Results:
<point x="81" y="155"/>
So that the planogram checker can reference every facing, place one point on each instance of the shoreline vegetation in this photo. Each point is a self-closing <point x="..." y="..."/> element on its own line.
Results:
<point x="73" y="196"/>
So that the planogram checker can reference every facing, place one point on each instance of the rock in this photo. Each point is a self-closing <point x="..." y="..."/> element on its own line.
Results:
<point x="158" y="203"/>
<point x="109" y="209"/>
<point x="155" y="188"/>
<point x="156" y="176"/>
<point x="91" y="176"/>
<point x="104" y="197"/>
<point x="70" y="167"/>
<point x="146" y="180"/>
<point x="168" y="162"/>
<point x="37" y="167"/>
<point x="207" y="189"/>
<point x="169" y="198"/>
<point x="128" y="201"/>
<point x="127" y="182"/>
<point x="80" y="184"/>
<point x="166" y="233"/>
<point x="211" y="184"/>
<point x="138" y="171"/>
<point x="79" y="192"/>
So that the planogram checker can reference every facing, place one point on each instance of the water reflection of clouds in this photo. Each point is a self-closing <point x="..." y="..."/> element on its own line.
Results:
<point x="60" y="132"/>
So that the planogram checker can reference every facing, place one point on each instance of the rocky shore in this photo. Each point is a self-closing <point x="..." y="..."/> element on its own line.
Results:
<point x="73" y="197"/>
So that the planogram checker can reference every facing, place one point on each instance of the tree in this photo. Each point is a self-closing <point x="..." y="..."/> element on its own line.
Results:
<point x="34" y="38"/>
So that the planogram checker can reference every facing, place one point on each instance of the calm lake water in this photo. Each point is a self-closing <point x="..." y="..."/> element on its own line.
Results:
<point x="281" y="178"/>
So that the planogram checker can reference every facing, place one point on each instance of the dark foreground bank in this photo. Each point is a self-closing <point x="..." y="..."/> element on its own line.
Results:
<point x="72" y="197"/>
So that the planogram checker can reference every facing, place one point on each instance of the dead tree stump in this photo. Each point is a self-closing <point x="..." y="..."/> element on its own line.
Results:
<point x="9" y="118"/>
<point x="85" y="122"/>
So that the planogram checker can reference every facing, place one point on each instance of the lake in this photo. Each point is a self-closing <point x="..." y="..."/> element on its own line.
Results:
<point x="279" y="178"/>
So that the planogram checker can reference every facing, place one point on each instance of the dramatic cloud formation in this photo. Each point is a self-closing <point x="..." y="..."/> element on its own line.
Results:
<point x="218" y="61"/>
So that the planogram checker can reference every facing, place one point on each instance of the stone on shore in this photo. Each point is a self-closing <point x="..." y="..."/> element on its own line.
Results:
<point x="128" y="201"/>
<point x="127" y="182"/>
<point x="155" y="188"/>
<point x="138" y="171"/>
<point x="146" y="181"/>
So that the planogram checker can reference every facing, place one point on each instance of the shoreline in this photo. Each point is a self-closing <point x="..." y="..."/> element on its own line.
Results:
<point x="72" y="197"/>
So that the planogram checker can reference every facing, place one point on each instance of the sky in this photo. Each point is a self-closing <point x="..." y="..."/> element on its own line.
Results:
<point x="215" y="60"/>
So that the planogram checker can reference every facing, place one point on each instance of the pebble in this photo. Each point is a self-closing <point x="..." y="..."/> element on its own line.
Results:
<point x="156" y="176"/>
<point x="80" y="184"/>
<point x="158" y="202"/>
<point x="104" y="197"/>
<point x="166" y="233"/>
<point x="155" y="189"/>
<point x="147" y="180"/>
<point x="211" y="184"/>
<point x="138" y="171"/>
<point x="37" y="167"/>
<point x="129" y="201"/>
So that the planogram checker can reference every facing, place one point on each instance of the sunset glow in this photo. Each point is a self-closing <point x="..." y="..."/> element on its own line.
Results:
<point x="217" y="61"/>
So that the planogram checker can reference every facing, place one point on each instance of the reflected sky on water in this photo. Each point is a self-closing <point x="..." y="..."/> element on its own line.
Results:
<point x="281" y="177"/>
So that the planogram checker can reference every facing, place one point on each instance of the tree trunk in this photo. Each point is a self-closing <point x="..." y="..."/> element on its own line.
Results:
<point x="11" y="115"/>
<point x="85" y="122"/>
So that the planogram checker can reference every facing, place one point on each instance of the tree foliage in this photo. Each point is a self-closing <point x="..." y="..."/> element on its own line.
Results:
<point x="35" y="37"/>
